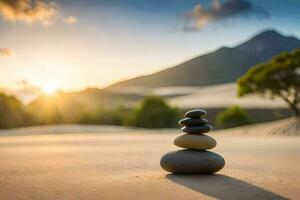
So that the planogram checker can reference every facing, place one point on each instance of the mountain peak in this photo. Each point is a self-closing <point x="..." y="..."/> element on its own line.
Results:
<point x="269" y="32"/>
<point x="268" y="43"/>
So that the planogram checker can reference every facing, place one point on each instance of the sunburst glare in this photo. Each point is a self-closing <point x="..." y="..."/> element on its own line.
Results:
<point x="49" y="88"/>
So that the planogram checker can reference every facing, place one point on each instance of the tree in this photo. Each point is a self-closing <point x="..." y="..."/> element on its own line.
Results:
<point x="154" y="112"/>
<point x="11" y="111"/>
<point x="277" y="78"/>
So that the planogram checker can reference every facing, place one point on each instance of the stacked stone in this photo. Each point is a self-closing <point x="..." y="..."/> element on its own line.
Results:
<point x="194" y="158"/>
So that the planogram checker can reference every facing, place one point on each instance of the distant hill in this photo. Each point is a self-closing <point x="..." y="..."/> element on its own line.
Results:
<point x="88" y="99"/>
<point x="87" y="106"/>
<point x="222" y="66"/>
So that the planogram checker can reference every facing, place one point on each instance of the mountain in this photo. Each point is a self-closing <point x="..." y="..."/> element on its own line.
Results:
<point x="267" y="44"/>
<point x="221" y="66"/>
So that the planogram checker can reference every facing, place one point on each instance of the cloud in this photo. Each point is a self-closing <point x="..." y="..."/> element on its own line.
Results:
<point x="5" y="52"/>
<point x="28" y="11"/>
<point x="200" y="16"/>
<point x="71" y="20"/>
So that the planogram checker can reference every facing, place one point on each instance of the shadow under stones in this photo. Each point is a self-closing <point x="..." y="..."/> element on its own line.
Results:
<point x="223" y="187"/>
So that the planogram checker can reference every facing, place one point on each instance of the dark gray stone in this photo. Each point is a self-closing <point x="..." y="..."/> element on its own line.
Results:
<point x="195" y="113"/>
<point x="193" y="121"/>
<point x="192" y="162"/>
<point x="197" y="129"/>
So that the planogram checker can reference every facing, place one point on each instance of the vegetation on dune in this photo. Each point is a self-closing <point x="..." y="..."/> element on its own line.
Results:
<point x="154" y="112"/>
<point x="277" y="78"/>
<point x="232" y="117"/>
<point x="62" y="108"/>
<point x="12" y="112"/>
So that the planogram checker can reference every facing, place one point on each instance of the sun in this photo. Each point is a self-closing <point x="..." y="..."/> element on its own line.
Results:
<point x="49" y="88"/>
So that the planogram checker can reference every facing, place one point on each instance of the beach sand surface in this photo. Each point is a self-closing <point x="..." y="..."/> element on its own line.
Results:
<point x="80" y="162"/>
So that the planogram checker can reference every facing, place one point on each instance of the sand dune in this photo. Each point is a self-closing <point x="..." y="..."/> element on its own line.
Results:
<point x="216" y="96"/>
<point x="223" y="95"/>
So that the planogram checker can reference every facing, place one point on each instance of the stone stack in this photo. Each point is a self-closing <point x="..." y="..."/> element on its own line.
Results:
<point x="194" y="158"/>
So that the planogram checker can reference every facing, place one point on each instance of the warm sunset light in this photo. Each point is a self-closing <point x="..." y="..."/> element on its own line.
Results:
<point x="49" y="88"/>
<point x="149" y="99"/>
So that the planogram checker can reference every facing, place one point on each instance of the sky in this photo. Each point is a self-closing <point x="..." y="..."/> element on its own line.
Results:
<point x="74" y="44"/>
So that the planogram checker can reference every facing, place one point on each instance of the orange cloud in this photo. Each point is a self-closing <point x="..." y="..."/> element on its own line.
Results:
<point x="28" y="11"/>
<point x="5" y="52"/>
<point x="200" y="16"/>
<point x="71" y="20"/>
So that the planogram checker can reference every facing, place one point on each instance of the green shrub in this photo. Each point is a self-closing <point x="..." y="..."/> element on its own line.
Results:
<point x="11" y="112"/>
<point x="115" y="116"/>
<point x="153" y="112"/>
<point x="232" y="116"/>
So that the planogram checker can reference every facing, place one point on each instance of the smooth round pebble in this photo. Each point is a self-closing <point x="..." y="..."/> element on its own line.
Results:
<point x="193" y="121"/>
<point x="195" y="113"/>
<point x="197" y="142"/>
<point x="192" y="162"/>
<point x="197" y="129"/>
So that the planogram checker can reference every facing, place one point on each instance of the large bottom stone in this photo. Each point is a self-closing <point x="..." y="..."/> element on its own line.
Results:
<point x="192" y="162"/>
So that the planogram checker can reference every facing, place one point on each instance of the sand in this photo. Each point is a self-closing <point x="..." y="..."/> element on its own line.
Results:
<point x="108" y="164"/>
<point x="222" y="95"/>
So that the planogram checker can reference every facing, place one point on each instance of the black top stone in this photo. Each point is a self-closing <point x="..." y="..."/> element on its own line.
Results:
<point x="193" y="121"/>
<point x="195" y="113"/>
